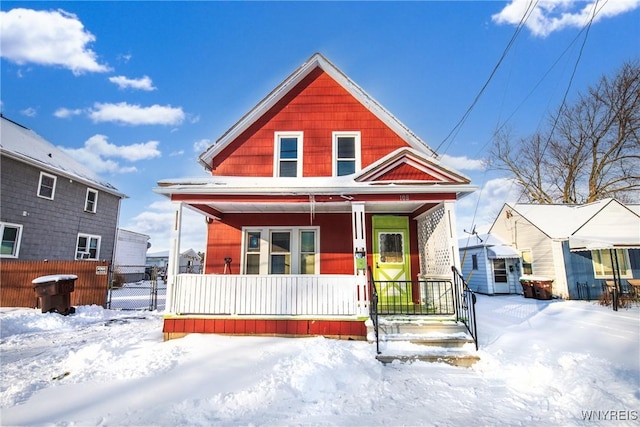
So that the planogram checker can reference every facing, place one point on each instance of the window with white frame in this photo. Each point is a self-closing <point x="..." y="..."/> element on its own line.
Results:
<point x="604" y="263"/>
<point x="527" y="261"/>
<point x="88" y="246"/>
<point x="280" y="250"/>
<point x="288" y="154"/>
<point x="47" y="186"/>
<point x="346" y="153"/>
<point x="91" y="201"/>
<point x="11" y="236"/>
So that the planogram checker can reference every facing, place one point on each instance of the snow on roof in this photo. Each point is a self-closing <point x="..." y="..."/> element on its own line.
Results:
<point x="25" y="145"/>
<point x="560" y="221"/>
<point x="480" y="240"/>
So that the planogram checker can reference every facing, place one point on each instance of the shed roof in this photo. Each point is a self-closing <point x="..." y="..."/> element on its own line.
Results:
<point x="23" y="144"/>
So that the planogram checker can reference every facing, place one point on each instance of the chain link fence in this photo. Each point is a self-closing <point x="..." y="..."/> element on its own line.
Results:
<point x="136" y="287"/>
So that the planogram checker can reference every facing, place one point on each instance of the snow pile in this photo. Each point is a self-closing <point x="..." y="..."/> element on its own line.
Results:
<point x="542" y="363"/>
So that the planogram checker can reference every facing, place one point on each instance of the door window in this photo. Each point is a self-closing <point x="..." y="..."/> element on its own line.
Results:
<point x="390" y="248"/>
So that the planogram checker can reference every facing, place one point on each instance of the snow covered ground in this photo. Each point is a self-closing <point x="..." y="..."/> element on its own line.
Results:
<point x="543" y="363"/>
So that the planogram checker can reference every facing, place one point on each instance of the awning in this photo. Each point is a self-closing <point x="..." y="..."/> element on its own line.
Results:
<point x="585" y="243"/>
<point x="499" y="252"/>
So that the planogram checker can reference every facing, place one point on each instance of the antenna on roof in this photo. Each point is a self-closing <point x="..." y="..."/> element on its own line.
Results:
<point x="473" y="233"/>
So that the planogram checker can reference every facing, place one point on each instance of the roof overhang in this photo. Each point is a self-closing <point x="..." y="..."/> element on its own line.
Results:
<point x="502" y="252"/>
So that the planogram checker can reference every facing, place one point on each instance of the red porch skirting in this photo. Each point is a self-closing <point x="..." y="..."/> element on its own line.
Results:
<point x="179" y="326"/>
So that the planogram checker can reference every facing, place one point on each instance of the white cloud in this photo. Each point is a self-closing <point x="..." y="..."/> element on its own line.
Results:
<point x="201" y="145"/>
<point x="125" y="113"/>
<point x="29" y="112"/>
<point x="176" y="153"/>
<point x="97" y="154"/>
<point x="123" y="82"/>
<point x="64" y="113"/>
<point x="50" y="38"/>
<point x="157" y="222"/>
<point x="555" y="15"/>
<point x="462" y="163"/>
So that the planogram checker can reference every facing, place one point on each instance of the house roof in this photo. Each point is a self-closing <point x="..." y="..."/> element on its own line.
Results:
<point x="496" y="248"/>
<point x="23" y="144"/>
<point x="604" y="220"/>
<point x="316" y="61"/>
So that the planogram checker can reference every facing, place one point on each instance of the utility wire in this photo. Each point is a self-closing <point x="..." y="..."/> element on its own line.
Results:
<point x="530" y="8"/>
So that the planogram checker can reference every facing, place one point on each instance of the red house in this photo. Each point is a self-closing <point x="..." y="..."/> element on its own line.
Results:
<point x="313" y="187"/>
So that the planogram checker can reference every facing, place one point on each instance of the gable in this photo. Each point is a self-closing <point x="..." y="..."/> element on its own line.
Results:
<point x="316" y="100"/>
<point x="317" y="107"/>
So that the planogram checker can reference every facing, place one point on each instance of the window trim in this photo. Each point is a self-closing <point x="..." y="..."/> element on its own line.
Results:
<point x="95" y="201"/>
<point x="277" y="136"/>
<point x="18" y="241"/>
<point x="522" y="251"/>
<point x="334" y="150"/>
<point x="626" y="274"/>
<point x="89" y="237"/>
<point x="265" y="250"/>
<point x="53" y="188"/>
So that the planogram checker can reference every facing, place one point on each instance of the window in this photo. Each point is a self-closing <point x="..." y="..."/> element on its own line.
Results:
<point x="390" y="247"/>
<point x="47" y="186"/>
<point x="346" y="153"/>
<point x="288" y="159"/>
<point x="527" y="261"/>
<point x="11" y="235"/>
<point x="307" y="252"/>
<point x="499" y="271"/>
<point x="604" y="263"/>
<point x="92" y="201"/>
<point x="280" y="250"/>
<point x="88" y="247"/>
<point x="474" y="262"/>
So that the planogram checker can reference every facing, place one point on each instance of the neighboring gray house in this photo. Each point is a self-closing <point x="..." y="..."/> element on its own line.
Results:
<point x="490" y="266"/>
<point x="52" y="206"/>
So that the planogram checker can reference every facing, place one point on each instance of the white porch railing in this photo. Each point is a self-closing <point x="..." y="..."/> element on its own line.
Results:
<point x="274" y="295"/>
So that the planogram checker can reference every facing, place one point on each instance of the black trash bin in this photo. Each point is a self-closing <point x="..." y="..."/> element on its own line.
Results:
<point x="54" y="293"/>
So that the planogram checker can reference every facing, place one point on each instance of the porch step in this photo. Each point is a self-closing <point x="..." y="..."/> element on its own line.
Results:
<point x="424" y="339"/>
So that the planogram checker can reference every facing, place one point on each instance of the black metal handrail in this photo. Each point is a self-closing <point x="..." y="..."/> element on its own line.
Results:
<point x="465" y="304"/>
<point x="373" y="309"/>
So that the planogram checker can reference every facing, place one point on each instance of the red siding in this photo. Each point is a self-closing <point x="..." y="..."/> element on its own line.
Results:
<point x="408" y="172"/>
<point x="335" y="239"/>
<point x="317" y="106"/>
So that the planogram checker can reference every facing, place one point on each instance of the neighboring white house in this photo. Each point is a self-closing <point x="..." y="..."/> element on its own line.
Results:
<point x="190" y="261"/>
<point x="130" y="254"/>
<point x="576" y="246"/>
<point x="490" y="266"/>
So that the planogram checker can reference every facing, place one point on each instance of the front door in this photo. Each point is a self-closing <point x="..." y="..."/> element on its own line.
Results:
<point x="391" y="261"/>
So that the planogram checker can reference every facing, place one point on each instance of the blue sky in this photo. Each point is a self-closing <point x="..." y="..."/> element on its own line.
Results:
<point x="137" y="90"/>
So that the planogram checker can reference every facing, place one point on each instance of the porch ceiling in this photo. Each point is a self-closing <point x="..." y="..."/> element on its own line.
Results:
<point x="343" y="206"/>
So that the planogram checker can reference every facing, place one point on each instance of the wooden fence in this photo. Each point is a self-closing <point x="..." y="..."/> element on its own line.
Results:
<point x="16" y="289"/>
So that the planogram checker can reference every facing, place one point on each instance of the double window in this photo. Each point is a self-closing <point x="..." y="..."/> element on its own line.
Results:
<point x="88" y="247"/>
<point x="11" y="235"/>
<point x="604" y="263"/>
<point x="346" y="153"/>
<point x="288" y="158"/>
<point x="47" y="186"/>
<point x="291" y="250"/>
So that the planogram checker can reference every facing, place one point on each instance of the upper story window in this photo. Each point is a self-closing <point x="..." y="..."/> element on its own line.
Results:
<point x="604" y="263"/>
<point x="47" y="186"/>
<point x="346" y="153"/>
<point x="91" y="201"/>
<point x="11" y="236"/>
<point x="88" y="246"/>
<point x="288" y="154"/>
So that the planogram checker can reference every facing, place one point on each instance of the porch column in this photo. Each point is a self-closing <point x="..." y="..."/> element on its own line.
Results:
<point x="173" y="268"/>
<point x="358" y="227"/>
